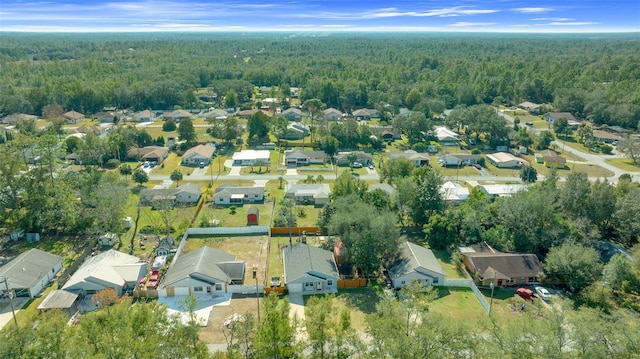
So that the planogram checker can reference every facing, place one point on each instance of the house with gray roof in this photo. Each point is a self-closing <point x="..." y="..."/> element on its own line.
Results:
<point x="418" y="159"/>
<point x="342" y="158"/>
<point x="30" y="272"/>
<point x="295" y="158"/>
<point x="185" y="194"/>
<point x="332" y="114"/>
<point x="292" y="114"/>
<point x="316" y="194"/>
<point x="110" y="269"/>
<point x="227" y="195"/>
<point x="203" y="271"/>
<point x="309" y="269"/>
<point x="415" y="264"/>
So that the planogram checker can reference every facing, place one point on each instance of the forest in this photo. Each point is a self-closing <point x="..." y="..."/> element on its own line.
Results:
<point x="593" y="77"/>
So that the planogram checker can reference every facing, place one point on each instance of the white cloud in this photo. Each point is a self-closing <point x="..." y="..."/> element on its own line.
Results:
<point x="576" y="23"/>
<point x="472" y="24"/>
<point x="532" y="10"/>
<point x="394" y="12"/>
<point x="552" y="19"/>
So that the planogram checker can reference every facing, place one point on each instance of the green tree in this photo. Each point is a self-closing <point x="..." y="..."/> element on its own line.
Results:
<point x="528" y="174"/>
<point x="413" y="98"/>
<point x="428" y="198"/>
<point x="561" y="127"/>
<point x="544" y="140"/>
<point x="50" y="150"/>
<point x="176" y="176"/>
<point x="140" y="176"/>
<point x="186" y="131"/>
<point x="630" y="148"/>
<point x="169" y="126"/>
<point x="347" y="184"/>
<point x="231" y="99"/>
<point x="523" y="137"/>
<point x="125" y="170"/>
<point x="625" y="218"/>
<point x="441" y="231"/>
<point x="573" y="264"/>
<point x="275" y="337"/>
<point x="396" y="168"/>
<point x="258" y="126"/>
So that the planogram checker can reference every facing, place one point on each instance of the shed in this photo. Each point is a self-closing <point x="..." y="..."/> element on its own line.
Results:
<point x="253" y="216"/>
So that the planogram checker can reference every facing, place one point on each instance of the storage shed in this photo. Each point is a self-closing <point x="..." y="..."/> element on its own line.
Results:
<point x="253" y="216"/>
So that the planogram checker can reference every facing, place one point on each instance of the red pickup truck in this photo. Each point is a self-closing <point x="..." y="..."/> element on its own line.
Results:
<point x="525" y="293"/>
<point x="154" y="280"/>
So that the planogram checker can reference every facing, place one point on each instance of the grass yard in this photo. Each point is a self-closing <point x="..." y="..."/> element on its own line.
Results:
<point x="444" y="258"/>
<point x="455" y="172"/>
<point x="275" y="265"/>
<point x="215" y="333"/>
<point x="359" y="302"/>
<point x="238" y="218"/>
<point x="589" y="170"/>
<point x="625" y="164"/>
<point x="171" y="163"/>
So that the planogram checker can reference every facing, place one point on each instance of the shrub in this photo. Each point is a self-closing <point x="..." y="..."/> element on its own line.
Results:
<point x="169" y="126"/>
<point x="112" y="163"/>
<point x="232" y="209"/>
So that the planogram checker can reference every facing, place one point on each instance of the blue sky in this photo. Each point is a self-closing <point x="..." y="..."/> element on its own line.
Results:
<point x="568" y="16"/>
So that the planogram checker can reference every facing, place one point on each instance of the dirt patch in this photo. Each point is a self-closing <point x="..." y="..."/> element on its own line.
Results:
<point x="213" y="333"/>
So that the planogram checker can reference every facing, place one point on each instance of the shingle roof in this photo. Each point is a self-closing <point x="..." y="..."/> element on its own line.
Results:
<point x="412" y="257"/>
<point x="505" y="265"/>
<point x="27" y="269"/>
<point x="58" y="299"/>
<point x="300" y="259"/>
<point x="207" y="262"/>
<point x="202" y="150"/>
<point x="110" y="266"/>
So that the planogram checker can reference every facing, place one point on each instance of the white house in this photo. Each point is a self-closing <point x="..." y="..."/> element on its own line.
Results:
<point x="501" y="190"/>
<point x="505" y="160"/>
<point x="249" y="157"/>
<point x="454" y="192"/>
<point x="185" y="194"/>
<point x="446" y="136"/>
<point x="295" y="158"/>
<point x="203" y="271"/>
<point x="418" y="159"/>
<point x="234" y="195"/>
<point x="317" y="194"/>
<point x="110" y="269"/>
<point x="30" y="272"/>
<point x="309" y="269"/>
<point x="198" y="155"/>
<point x="416" y="264"/>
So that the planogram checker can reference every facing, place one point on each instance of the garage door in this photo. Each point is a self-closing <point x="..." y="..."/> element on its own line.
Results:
<point x="292" y="164"/>
<point x="181" y="291"/>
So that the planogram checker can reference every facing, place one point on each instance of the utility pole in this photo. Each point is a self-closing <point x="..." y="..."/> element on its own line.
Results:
<point x="13" y="311"/>
<point x="255" y="276"/>
<point x="493" y="287"/>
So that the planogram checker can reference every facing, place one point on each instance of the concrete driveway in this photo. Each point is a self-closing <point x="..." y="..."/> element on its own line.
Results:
<point x="6" y="317"/>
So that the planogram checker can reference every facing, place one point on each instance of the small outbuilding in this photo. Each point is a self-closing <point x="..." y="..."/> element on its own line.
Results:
<point x="253" y="216"/>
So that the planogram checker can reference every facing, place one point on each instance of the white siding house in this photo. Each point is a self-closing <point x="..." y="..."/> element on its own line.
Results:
<point x="416" y="264"/>
<point x="30" y="272"/>
<point x="309" y="270"/>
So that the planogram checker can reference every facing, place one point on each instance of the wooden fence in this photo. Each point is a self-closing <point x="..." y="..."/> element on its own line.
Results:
<point x="281" y="231"/>
<point x="352" y="283"/>
<point x="276" y="290"/>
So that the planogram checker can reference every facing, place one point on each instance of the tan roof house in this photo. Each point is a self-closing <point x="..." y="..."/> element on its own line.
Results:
<point x="200" y="154"/>
<point x="73" y="116"/>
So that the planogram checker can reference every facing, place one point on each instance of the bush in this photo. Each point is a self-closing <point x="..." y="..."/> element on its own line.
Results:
<point x="169" y="126"/>
<point x="112" y="164"/>
<point x="481" y="161"/>
<point x="476" y="151"/>
<point x="420" y="147"/>
<point x="606" y="149"/>
<point x="233" y="209"/>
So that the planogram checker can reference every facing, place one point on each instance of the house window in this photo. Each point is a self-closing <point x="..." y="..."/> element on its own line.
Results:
<point x="208" y="289"/>
<point x="329" y="282"/>
<point x="509" y="281"/>
<point x="218" y="286"/>
<point x="532" y="279"/>
<point x="197" y="289"/>
<point x="402" y="282"/>
<point x="435" y="280"/>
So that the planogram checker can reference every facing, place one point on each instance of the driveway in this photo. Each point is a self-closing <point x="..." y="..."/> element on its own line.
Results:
<point x="6" y="317"/>
<point x="296" y="310"/>
<point x="202" y="310"/>
<point x="291" y="172"/>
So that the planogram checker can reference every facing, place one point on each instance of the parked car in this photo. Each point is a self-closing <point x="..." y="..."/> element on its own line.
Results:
<point x="371" y="166"/>
<point x="525" y="293"/>
<point x="201" y="164"/>
<point x="356" y="165"/>
<point x="543" y="293"/>
<point x="477" y="166"/>
<point x="529" y="123"/>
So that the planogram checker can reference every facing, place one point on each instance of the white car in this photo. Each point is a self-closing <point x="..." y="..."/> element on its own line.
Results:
<point x="543" y="293"/>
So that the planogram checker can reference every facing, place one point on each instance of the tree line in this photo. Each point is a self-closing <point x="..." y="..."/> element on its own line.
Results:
<point x="593" y="78"/>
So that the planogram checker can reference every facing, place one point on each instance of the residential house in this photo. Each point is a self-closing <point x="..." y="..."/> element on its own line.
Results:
<point x="111" y="269"/>
<point x="199" y="155"/>
<point x="292" y="114"/>
<point x="332" y="114"/>
<point x="29" y="273"/>
<point x="529" y="107"/>
<point x="453" y="192"/>
<point x="108" y="116"/>
<point x="551" y="117"/>
<point x="185" y="194"/>
<point x="458" y="159"/>
<point x="551" y="159"/>
<point x="387" y="188"/>
<point x="309" y="269"/>
<point x="165" y="246"/>
<point x="203" y="271"/>
<point x="144" y="116"/>
<point x="250" y="157"/>
<point x="605" y="137"/>
<point x="215" y="114"/>
<point x="506" y="160"/>
<point x="177" y="115"/>
<point x="390" y="134"/>
<point x="149" y="153"/>
<point x="253" y="216"/>
<point x="296" y="131"/>
<point x="316" y="194"/>
<point x="501" y="190"/>
<point x="295" y="158"/>
<point x="418" y="159"/>
<point x="343" y="158"/>
<point x="503" y="269"/>
<point x="364" y="114"/>
<point x="84" y="129"/>
<point x="445" y="136"/>
<point x="226" y="195"/>
<point x="16" y="118"/>
<point x="247" y="113"/>
<point x="415" y="264"/>
<point x="73" y="117"/>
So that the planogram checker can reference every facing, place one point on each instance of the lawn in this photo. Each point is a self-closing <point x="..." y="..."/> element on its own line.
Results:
<point x="444" y="258"/>
<point x="237" y="218"/>
<point x="275" y="265"/>
<point x="451" y="172"/>
<point x="625" y="164"/>
<point x="359" y="302"/>
<point x="171" y="163"/>
<point x="273" y="168"/>
<point x="589" y="170"/>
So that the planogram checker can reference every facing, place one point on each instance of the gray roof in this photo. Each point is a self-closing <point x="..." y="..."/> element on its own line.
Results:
<point x="412" y="257"/>
<point x="239" y="190"/>
<point x="359" y="154"/>
<point x="383" y="186"/>
<point x="317" y="190"/>
<point x="150" y="194"/>
<point x="410" y="155"/>
<point x="58" y="299"/>
<point x="305" y="154"/>
<point x="28" y="268"/>
<point x="300" y="259"/>
<point x="205" y="262"/>
<point x="111" y="266"/>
